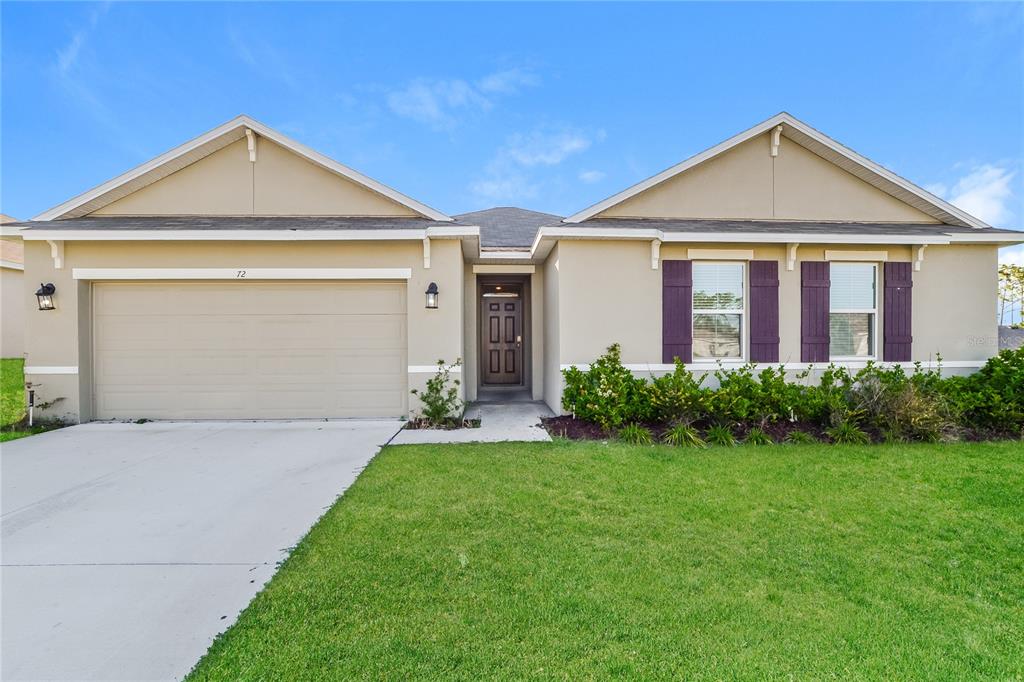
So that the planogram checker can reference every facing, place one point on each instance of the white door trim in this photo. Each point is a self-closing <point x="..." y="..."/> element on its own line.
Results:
<point x="239" y="273"/>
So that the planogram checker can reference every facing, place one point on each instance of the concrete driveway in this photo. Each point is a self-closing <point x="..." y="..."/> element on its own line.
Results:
<point x="128" y="547"/>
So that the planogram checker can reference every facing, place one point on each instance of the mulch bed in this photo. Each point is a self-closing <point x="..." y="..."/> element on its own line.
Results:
<point x="450" y="424"/>
<point x="567" y="426"/>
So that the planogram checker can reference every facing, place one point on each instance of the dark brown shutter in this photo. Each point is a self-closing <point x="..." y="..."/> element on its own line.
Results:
<point x="814" y="306"/>
<point x="676" y="309"/>
<point x="764" y="311"/>
<point x="896" y="336"/>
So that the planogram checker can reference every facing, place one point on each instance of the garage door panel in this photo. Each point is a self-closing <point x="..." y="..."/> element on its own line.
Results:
<point x="237" y="298"/>
<point x="155" y="359"/>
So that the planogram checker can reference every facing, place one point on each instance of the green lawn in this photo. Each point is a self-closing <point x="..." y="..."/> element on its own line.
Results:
<point x="586" y="560"/>
<point x="12" y="401"/>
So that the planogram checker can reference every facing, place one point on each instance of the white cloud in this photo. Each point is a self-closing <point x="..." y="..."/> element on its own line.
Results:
<point x="503" y="184"/>
<point x="592" y="176"/>
<point x="505" y="176"/>
<point x="539" y="148"/>
<point x="436" y="102"/>
<point x="67" y="56"/>
<point x="985" y="192"/>
<point x="508" y="82"/>
<point x="440" y="103"/>
<point x="1013" y="255"/>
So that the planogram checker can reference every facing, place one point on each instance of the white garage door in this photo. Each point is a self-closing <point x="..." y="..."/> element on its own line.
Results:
<point x="249" y="350"/>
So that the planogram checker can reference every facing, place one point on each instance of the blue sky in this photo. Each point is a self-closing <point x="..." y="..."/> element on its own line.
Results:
<point x="546" y="106"/>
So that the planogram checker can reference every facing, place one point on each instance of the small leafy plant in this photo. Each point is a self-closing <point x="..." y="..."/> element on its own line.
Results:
<point x="847" y="432"/>
<point x="757" y="436"/>
<point x="683" y="436"/>
<point x="606" y="393"/>
<point x="720" y="435"/>
<point x="800" y="438"/>
<point x="441" y="402"/>
<point x="634" y="434"/>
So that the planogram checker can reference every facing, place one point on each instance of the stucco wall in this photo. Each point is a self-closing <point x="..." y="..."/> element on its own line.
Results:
<point x="553" y="325"/>
<point x="12" y="313"/>
<point x="746" y="182"/>
<point x="59" y="338"/>
<point x="953" y="304"/>
<point x="278" y="183"/>
<point x="470" y="335"/>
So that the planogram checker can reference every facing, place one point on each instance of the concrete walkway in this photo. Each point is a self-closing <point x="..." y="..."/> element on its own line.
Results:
<point x="499" y="422"/>
<point x="128" y="547"/>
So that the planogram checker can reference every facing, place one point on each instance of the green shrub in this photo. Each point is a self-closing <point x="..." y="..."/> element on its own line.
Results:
<point x="902" y="407"/>
<point x="848" y="433"/>
<point x="800" y="438"/>
<point x="992" y="397"/>
<point x="607" y="393"/>
<point x="757" y="436"/>
<point x="678" y="396"/>
<point x="683" y="436"/>
<point x="634" y="434"/>
<point x="441" y="402"/>
<point x="720" y="435"/>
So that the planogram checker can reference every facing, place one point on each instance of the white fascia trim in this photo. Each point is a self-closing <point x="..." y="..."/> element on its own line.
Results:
<point x="244" y="121"/>
<point x="224" y="235"/>
<point x="37" y="234"/>
<point x="720" y="254"/>
<point x="431" y="369"/>
<point x="50" y="369"/>
<point x="11" y="265"/>
<point x="1001" y="239"/>
<point x="239" y="273"/>
<point x="869" y="256"/>
<point x="727" y="237"/>
<point x="504" y="269"/>
<point x="506" y="255"/>
<point x="731" y="364"/>
<point x="453" y="232"/>
<point x="765" y="126"/>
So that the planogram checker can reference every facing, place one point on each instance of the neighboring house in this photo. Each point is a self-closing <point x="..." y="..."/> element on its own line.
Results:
<point x="12" y="293"/>
<point x="244" y="275"/>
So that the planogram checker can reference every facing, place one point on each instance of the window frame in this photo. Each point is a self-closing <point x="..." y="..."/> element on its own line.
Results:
<point x="741" y="311"/>
<point x="875" y="312"/>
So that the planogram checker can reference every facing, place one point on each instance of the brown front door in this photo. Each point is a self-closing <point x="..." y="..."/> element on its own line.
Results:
<point x="502" y="340"/>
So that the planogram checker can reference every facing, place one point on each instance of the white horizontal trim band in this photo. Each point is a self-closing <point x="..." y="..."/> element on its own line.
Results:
<point x="505" y="269"/>
<point x="240" y="273"/>
<point x="431" y="369"/>
<point x="720" y="254"/>
<point x="50" y="369"/>
<point x="12" y="265"/>
<point x="732" y="364"/>
<point x="870" y="256"/>
<point x="36" y="234"/>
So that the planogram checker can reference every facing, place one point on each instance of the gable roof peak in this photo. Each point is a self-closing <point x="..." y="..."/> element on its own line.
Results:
<point x="820" y="144"/>
<point x="209" y="142"/>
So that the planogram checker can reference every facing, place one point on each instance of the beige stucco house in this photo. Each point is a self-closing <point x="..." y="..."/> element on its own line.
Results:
<point x="243" y="275"/>
<point x="12" y="296"/>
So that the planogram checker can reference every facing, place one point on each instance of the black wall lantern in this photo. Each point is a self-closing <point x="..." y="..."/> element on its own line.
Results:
<point x="45" y="296"/>
<point x="432" y="295"/>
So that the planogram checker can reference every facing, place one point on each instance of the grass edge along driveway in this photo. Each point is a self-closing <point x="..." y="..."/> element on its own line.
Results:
<point x="590" y="560"/>
<point x="12" y="402"/>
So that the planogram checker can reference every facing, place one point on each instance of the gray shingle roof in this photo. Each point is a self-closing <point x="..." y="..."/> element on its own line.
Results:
<point x="232" y="223"/>
<point x="785" y="227"/>
<point x="502" y="228"/>
<point x="507" y="226"/>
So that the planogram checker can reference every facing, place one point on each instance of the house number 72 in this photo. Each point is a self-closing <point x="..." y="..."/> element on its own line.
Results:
<point x="241" y="274"/>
